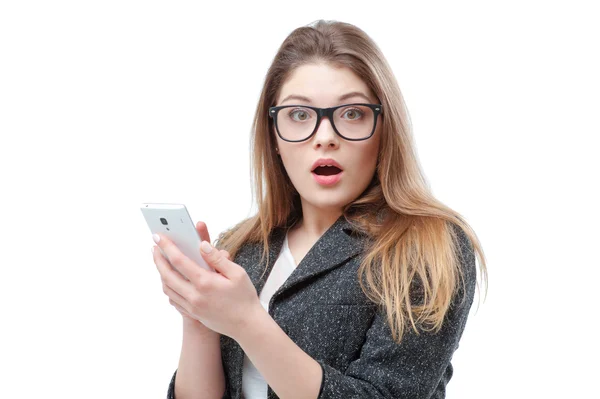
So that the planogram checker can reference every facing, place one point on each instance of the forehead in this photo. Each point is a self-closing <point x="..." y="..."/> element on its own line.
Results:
<point x="323" y="84"/>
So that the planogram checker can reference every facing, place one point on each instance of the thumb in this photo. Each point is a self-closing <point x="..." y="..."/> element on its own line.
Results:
<point x="204" y="236"/>
<point x="217" y="259"/>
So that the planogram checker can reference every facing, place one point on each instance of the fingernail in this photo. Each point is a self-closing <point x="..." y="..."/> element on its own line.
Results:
<point x="205" y="246"/>
<point x="156" y="238"/>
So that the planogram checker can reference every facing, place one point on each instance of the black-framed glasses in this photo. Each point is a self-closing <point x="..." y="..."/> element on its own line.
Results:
<point x="353" y="122"/>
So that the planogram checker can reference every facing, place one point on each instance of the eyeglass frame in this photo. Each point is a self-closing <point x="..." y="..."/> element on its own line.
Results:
<point x="328" y="112"/>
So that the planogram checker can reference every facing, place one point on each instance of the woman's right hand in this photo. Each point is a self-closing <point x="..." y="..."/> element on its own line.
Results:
<point x="188" y="320"/>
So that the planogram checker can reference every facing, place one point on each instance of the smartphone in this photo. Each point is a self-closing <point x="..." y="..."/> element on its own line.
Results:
<point x="173" y="221"/>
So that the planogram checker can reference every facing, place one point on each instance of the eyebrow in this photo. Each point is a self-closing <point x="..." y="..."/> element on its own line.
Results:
<point x="341" y="98"/>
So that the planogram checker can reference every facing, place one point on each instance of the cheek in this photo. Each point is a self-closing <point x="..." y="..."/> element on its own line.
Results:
<point x="291" y="161"/>
<point x="374" y="153"/>
<point x="368" y="159"/>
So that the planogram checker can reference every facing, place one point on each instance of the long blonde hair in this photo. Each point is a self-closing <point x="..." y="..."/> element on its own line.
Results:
<point x="413" y="238"/>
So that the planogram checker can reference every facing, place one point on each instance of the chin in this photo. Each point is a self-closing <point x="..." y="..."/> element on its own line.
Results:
<point x="326" y="200"/>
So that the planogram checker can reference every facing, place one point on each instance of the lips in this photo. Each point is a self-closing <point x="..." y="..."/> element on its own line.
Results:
<point x="329" y="180"/>
<point x="326" y="166"/>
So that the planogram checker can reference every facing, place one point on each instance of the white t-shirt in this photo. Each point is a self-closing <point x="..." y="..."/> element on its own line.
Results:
<point x="254" y="385"/>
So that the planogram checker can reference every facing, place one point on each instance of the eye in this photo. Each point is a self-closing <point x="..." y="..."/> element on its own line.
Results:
<point x="354" y="113"/>
<point x="301" y="113"/>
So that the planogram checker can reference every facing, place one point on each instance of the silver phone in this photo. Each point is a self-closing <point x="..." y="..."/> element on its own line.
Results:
<point x="174" y="221"/>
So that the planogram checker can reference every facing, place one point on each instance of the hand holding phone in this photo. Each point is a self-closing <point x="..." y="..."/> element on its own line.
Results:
<point x="174" y="212"/>
<point x="173" y="221"/>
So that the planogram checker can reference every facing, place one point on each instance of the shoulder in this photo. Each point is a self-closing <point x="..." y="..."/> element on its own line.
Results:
<point x="467" y="280"/>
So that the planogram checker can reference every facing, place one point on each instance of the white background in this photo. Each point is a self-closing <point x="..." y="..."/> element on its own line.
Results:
<point x="105" y="105"/>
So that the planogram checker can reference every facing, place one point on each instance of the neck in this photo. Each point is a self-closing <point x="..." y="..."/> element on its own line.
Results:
<point x="313" y="224"/>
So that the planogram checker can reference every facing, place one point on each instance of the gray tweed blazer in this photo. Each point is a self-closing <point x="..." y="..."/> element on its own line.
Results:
<point x="322" y="308"/>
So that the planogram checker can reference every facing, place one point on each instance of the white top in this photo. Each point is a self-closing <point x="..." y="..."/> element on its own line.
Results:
<point x="254" y="385"/>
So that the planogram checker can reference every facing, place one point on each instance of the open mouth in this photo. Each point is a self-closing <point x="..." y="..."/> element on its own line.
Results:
<point x="326" y="170"/>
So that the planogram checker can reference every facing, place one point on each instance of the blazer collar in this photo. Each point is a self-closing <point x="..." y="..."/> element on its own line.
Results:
<point x="337" y="244"/>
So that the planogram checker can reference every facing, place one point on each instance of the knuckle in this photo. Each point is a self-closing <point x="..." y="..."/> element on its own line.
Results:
<point x="196" y="300"/>
<point x="197" y="276"/>
<point x="200" y="284"/>
<point x="238" y="274"/>
<point x="176" y="259"/>
<point x="166" y="282"/>
<point x="203" y="285"/>
<point x="211" y="257"/>
<point x="219" y="260"/>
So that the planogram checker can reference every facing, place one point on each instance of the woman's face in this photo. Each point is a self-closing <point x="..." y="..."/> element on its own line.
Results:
<point x="324" y="86"/>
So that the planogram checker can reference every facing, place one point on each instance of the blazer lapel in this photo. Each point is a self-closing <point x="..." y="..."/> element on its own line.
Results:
<point x="338" y="244"/>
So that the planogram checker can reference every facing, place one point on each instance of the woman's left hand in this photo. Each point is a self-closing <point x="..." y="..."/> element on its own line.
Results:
<point x="225" y="301"/>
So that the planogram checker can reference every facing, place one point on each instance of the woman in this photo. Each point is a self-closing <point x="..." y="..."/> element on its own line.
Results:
<point x="352" y="281"/>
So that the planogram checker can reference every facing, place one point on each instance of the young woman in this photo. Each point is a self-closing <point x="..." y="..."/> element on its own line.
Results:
<point x="352" y="280"/>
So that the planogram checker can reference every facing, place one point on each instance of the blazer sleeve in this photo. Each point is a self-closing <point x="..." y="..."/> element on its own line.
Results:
<point x="171" y="389"/>
<point x="415" y="367"/>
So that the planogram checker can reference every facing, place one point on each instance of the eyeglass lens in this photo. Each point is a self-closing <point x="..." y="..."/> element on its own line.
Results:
<point x="353" y="121"/>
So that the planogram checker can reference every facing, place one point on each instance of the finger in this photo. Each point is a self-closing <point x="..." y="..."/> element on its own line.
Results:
<point x="217" y="260"/>
<point x="173" y="295"/>
<point x="190" y="269"/>
<point x="171" y="277"/>
<point x="180" y="309"/>
<point x="226" y="254"/>
<point x="202" y="231"/>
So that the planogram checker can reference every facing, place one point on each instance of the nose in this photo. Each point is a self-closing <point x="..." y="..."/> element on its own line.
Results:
<point x="325" y="135"/>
